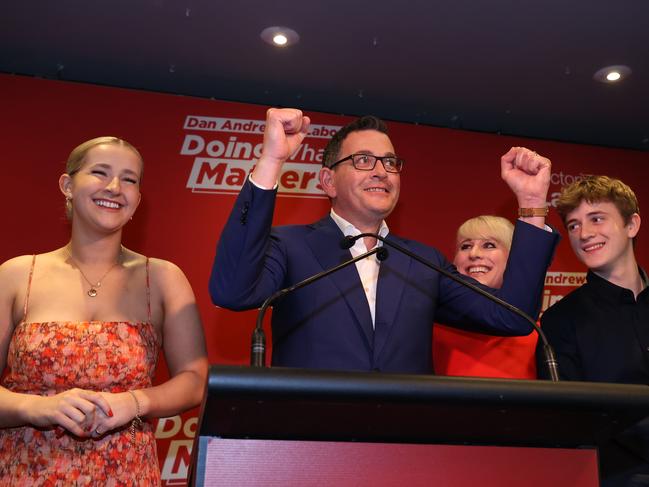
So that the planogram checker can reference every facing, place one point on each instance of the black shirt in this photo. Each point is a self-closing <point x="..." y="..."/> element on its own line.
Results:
<point x="600" y="333"/>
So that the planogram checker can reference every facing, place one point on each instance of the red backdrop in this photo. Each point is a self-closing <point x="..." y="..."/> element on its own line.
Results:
<point x="197" y="152"/>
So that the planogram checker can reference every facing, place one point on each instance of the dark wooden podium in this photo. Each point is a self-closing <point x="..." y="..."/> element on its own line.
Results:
<point x="296" y="427"/>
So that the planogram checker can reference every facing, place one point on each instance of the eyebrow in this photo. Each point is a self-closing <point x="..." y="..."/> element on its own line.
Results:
<point x="108" y="166"/>
<point x="370" y="153"/>
<point x="470" y="239"/>
<point x="589" y="214"/>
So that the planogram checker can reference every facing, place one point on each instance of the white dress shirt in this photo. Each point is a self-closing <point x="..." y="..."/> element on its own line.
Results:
<point x="368" y="268"/>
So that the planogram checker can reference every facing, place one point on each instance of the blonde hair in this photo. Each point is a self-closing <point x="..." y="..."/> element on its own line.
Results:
<point x="79" y="153"/>
<point x="487" y="226"/>
<point x="78" y="156"/>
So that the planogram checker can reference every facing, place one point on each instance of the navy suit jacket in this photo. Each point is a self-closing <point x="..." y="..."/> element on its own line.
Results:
<point x="328" y="324"/>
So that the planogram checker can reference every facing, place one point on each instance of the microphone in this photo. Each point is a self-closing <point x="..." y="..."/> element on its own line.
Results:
<point x="258" y="345"/>
<point x="549" y="356"/>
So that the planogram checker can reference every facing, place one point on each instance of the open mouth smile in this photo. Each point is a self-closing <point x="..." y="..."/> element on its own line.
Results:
<point x="592" y="247"/>
<point x="478" y="269"/>
<point x="108" y="204"/>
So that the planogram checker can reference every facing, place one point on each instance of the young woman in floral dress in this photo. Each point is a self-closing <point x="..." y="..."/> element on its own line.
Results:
<point x="80" y="331"/>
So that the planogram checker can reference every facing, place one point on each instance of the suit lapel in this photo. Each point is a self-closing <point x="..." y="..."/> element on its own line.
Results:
<point x="392" y="279"/>
<point x="324" y="241"/>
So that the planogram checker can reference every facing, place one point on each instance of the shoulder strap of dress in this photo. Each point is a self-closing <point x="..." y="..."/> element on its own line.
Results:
<point x="148" y="292"/>
<point x="29" y="286"/>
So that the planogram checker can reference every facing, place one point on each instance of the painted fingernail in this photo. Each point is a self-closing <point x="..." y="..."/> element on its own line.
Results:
<point x="110" y="413"/>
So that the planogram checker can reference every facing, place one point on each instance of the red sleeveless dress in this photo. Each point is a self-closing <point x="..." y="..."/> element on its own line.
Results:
<point x="52" y="357"/>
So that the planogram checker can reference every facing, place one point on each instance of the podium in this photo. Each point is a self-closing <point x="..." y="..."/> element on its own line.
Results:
<point x="297" y="427"/>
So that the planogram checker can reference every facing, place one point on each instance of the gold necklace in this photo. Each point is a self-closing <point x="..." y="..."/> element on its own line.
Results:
<point x="92" y="292"/>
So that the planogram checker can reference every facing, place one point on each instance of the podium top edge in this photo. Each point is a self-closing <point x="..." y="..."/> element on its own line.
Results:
<point x="228" y="381"/>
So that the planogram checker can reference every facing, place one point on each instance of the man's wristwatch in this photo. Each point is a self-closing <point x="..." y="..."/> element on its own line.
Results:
<point x="529" y="212"/>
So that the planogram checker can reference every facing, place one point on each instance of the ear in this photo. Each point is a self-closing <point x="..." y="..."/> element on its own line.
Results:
<point x="65" y="185"/>
<point x="327" y="181"/>
<point x="633" y="227"/>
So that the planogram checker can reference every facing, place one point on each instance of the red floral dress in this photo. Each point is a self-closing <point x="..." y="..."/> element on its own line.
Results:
<point x="48" y="358"/>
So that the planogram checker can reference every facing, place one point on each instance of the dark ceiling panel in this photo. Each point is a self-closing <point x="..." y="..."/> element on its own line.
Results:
<point x="515" y="67"/>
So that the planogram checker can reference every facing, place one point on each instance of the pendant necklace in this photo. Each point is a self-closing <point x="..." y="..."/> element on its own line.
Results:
<point x="92" y="292"/>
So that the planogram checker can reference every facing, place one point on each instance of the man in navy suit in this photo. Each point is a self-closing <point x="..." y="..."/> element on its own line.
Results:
<point x="376" y="315"/>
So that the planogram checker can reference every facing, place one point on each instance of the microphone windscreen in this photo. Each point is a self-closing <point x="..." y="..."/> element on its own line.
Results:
<point x="347" y="242"/>
<point x="382" y="254"/>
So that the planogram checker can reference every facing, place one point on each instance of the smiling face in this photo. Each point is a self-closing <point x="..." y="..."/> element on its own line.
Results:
<point x="364" y="198"/>
<point x="599" y="236"/>
<point x="483" y="258"/>
<point x="105" y="190"/>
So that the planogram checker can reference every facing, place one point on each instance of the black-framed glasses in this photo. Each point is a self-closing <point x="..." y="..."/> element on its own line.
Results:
<point x="367" y="162"/>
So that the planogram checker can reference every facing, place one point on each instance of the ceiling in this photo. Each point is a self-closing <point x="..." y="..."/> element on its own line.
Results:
<point x="518" y="67"/>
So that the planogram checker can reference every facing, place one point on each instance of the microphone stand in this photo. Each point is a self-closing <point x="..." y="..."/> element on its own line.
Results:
<point x="548" y="353"/>
<point x="258" y="345"/>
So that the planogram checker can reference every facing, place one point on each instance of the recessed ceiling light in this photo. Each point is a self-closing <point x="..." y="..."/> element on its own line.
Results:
<point x="612" y="74"/>
<point x="280" y="39"/>
<point x="279" y="36"/>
